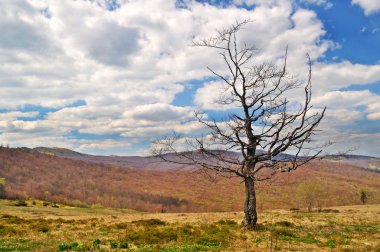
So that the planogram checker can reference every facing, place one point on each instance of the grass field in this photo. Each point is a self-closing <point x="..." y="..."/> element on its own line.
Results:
<point x="46" y="228"/>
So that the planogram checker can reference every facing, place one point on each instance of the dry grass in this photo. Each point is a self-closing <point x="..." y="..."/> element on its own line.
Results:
<point x="39" y="228"/>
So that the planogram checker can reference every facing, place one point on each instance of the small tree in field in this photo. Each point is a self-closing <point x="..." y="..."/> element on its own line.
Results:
<point x="2" y="188"/>
<point x="312" y="194"/>
<point x="264" y="128"/>
<point x="363" y="197"/>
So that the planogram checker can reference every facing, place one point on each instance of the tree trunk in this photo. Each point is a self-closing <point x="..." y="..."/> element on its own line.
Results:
<point x="250" y="213"/>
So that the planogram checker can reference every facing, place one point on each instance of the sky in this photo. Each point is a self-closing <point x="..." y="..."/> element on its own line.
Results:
<point x="108" y="77"/>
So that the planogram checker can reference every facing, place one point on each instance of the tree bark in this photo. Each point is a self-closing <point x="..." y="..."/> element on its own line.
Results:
<point x="250" y="213"/>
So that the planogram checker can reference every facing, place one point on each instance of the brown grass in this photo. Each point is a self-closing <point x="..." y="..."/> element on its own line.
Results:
<point x="38" y="228"/>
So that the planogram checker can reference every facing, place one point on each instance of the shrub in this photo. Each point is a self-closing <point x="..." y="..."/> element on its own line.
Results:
<point x="55" y="205"/>
<point x="96" y="244"/>
<point x="21" y="203"/>
<point x="113" y="244"/>
<point x="150" y="222"/>
<point x="122" y="225"/>
<point x="124" y="245"/>
<point x="43" y="229"/>
<point x="330" y="210"/>
<point x="285" y="224"/>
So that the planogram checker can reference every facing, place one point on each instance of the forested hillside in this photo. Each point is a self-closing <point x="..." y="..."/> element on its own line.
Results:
<point x="29" y="174"/>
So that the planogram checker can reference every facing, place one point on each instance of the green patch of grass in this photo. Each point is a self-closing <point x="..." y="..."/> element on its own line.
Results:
<point x="227" y="222"/>
<point x="291" y="237"/>
<point x="191" y="248"/>
<point x="151" y="235"/>
<point x="331" y="243"/>
<point x="211" y="236"/>
<point x="308" y="239"/>
<point x="10" y="219"/>
<point x="17" y="244"/>
<point x="74" y="246"/>
<point x="284" y="233"/>
<point x="68" y="246"/>
<point x="259" y="240"/>
<point x="7" y="230"/>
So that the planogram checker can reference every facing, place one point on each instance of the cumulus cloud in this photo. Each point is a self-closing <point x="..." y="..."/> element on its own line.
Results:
<point x="369" y="6"/>
<point x="344" y="99"/>
<point x="127" y="61"/>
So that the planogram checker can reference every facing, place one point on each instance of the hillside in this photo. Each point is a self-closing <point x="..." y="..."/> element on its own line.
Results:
<point x="30" y="174"/>
<point x="371" y="163"/>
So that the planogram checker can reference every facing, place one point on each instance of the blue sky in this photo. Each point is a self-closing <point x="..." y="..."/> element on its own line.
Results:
<point x="109" y="77"/>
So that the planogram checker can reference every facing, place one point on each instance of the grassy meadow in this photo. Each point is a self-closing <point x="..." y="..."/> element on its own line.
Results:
<point x="59" y="228"/>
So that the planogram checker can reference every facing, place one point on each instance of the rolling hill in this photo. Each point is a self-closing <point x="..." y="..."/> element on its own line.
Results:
<point x="151" y="162"/>
<point x="83" y="180"/>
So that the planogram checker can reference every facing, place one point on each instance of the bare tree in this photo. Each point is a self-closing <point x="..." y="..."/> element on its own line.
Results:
<point x="264" y="128"/>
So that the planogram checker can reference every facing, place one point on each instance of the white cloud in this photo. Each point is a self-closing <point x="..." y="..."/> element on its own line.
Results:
<point x="9" y="116"/>
<point x="369" y="6"/>
<point x="209" y="96"/>
<point x="374" y="116"/>
<point x="334" y="76"/>
<point x="127" y="64"/>
<point x="103" y="145"/>
<point x="344" y="99"/>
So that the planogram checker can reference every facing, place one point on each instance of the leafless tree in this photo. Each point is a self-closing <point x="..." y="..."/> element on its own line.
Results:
<point x="262" y="131"/>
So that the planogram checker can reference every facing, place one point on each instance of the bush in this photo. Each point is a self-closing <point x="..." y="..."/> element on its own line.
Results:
<point x="150" y="222"/>
<point x="113" y="244"/>
<point x="2" y="188"/>
<point x="330" y="210"/>
<point x="21" y="203"/>
<point x="55" y="205"/>
<point x="124" y="245"/>
<point x="96" y="244"/>
<point x="43" y="229"/>
<point x="285" y="224"/>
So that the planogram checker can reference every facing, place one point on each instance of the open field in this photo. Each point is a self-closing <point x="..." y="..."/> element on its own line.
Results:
<point x="39" y="228"/>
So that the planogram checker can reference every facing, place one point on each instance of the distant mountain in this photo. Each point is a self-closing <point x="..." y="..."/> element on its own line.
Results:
<point x="149" y="162"/>
<point x="152" y="162"/>
<point x="127" y="161"/>
<point x="366" y="162"/>
<point x="59" y="152"/>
